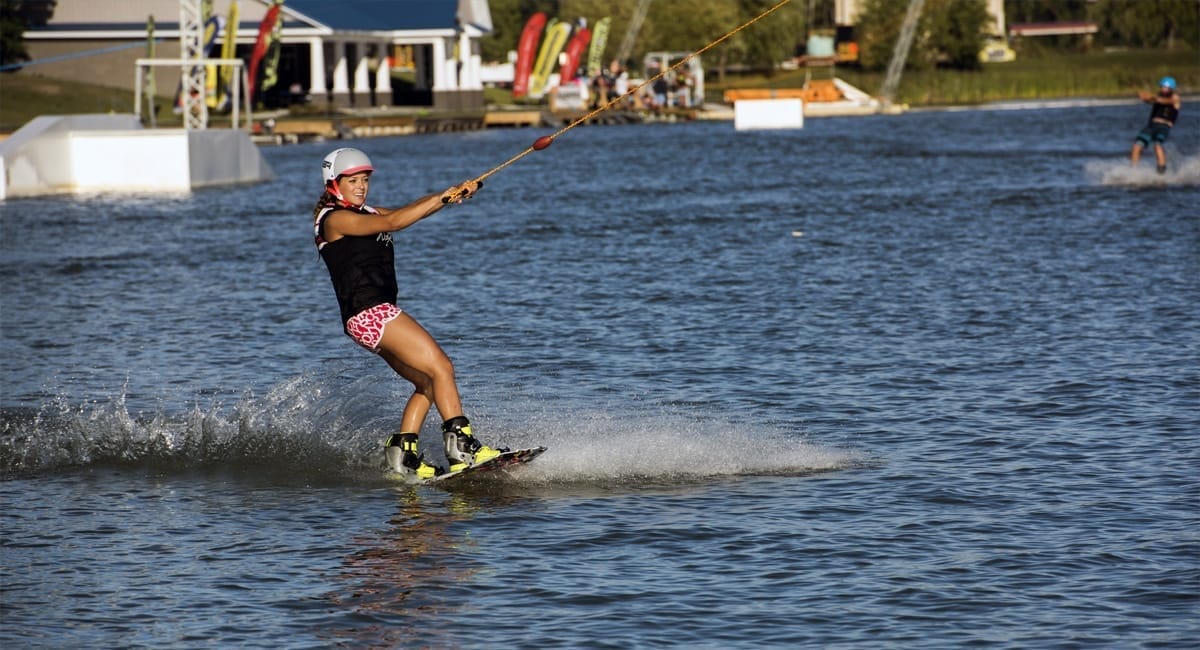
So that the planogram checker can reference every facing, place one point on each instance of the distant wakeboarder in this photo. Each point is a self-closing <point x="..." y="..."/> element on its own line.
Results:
<point x="1164" y="112"/>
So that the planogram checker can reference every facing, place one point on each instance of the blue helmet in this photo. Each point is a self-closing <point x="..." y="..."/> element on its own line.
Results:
<point x="1167" y="82"/>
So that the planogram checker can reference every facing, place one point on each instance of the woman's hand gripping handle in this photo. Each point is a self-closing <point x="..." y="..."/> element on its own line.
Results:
<point x="461" y="192"/>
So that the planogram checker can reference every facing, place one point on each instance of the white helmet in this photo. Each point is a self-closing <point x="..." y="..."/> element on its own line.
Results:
<point x="344" y="161"/>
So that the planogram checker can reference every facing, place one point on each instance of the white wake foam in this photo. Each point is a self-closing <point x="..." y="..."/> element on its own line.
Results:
<point x="335" y="422"/>
<point x="1183" y="171"/>
<point x="602" y="446"/>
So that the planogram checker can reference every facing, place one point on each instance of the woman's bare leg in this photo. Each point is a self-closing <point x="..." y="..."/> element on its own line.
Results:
<point x="418" y="404"/>
<point x="416" y="356"/>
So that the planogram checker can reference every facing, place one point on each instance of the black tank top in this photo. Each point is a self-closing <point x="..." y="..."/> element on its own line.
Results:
<point x="362" y="268"/>
<point x="1167" y="112"/>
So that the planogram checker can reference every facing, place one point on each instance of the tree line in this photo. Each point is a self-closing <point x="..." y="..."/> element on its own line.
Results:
<point x="951" y="33"/>
<point x="15" y="17"/>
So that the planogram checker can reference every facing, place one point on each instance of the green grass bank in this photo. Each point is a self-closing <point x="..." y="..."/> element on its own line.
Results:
<point x="1047" y="75"/>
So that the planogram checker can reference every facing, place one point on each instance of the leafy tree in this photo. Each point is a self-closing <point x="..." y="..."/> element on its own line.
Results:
<point x="879" y="24"/>
<point x="508" y="19"/>
<point x="771" y="40"/>
<point x="16" y="16"/>
<point x="950" y="33"/>
<point x="1169" y="24"/>
<point x="956" y="32"/>
<point x="1045" y="11"/>
<point x="689" y="26"/>
<point x="672" y="26"/>
<point x="620" y="13"/>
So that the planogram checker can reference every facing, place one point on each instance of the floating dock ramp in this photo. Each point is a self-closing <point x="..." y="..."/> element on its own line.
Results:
<point x="81" y="154"/>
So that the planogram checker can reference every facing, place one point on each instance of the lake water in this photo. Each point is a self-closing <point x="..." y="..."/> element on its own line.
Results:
<point x="929" y="380"/>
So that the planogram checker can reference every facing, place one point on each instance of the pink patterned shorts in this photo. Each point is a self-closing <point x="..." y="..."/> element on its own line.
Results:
<point x="366" y="327"/>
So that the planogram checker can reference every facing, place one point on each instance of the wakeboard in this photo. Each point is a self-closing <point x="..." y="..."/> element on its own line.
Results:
<point x="502" y="463"/>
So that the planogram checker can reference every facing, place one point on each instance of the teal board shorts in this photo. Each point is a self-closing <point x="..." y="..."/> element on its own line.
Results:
<point x="1153" y="132"/>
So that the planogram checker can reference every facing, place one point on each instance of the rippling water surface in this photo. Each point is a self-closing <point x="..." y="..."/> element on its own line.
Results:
<point x="917" y="381"/>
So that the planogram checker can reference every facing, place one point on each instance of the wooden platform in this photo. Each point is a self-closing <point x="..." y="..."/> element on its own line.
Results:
<point x="298" y="130"/>
<point x="288" y="130"/>
<point x="513" y="118"/>
<point x="821" y="90"/>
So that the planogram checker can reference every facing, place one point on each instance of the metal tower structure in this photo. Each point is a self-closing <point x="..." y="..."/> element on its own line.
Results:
<point x="191" y="40"/>
<point x="891" y="80"/>
<point x="631" y="32"/>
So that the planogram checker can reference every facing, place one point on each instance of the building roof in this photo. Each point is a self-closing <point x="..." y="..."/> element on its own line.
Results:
<point x="88" y="17"/>
<point x="1053" y="29"/>
<point x="378" y="15"/>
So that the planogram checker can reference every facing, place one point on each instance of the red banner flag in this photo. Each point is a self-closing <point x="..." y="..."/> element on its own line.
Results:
<point x="574" y="50"/>
<point x="526" y="50"/>
<point x="260" y="45"/>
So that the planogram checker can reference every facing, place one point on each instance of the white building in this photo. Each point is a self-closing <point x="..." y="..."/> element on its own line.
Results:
<point x="340" y="52"/>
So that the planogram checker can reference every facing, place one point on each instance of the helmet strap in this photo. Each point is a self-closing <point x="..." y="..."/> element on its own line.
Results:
<point x="337" y="195"/>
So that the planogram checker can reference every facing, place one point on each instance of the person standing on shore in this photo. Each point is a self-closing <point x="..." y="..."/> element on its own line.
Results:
<point x="355" y="241"/>
<point x="1164" y="111"/>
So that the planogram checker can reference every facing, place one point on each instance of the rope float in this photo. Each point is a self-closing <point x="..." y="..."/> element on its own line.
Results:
<point x="546" y="140"/>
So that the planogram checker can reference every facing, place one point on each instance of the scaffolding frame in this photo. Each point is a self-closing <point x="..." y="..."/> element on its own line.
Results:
<point x="198" y="96"/>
